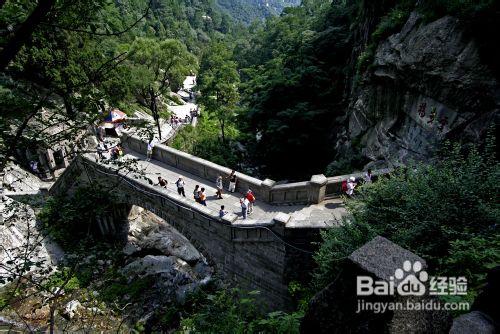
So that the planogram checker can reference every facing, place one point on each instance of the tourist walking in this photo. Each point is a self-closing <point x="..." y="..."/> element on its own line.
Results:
<point x="222" y="212"/>
<point x="114" y="153"/>
<point x="180" y="186"/>
<point x="100" y="150"/>
<point x="150" y="150"/>
<point x="162" y="182"/>
<point x="351" y="184"/>
<point x="119" y="151"/>
<point x="203" y="197"/>
<point x="368" y="176"/>
<point x="232" y="181"/>
<point x="244" y="207"/>
<point x="219" y="186"/>
<point x="196" y="194"/>
<point x="34" y="167"/>
<point x="251" y="199"/>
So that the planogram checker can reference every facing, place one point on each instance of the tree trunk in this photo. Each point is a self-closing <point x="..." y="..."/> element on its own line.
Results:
<point x="24" y="32"/>
<point x="68" y="106"/>
<point x="153" y="106"/>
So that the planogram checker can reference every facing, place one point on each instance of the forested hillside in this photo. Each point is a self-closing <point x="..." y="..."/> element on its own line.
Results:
<point x="365" y="82"/>
<point x="247" y="11"/>
<point x="282" y="90"/>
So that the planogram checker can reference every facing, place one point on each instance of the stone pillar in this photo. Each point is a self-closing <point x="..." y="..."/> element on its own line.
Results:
<point x="280" y="221"/>
<point x="317" y="188"/>
<point x="266" y="187"/>
<point x="64" y="154"/>
<point x="50" y="159"/>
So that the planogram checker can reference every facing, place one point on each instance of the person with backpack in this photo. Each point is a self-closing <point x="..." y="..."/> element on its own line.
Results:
<point x="196" y="194"/>
<point x="232" y="182"/>
<point x="219" y="186"/>
<point x="244" y="207"/>
<point x="180" y="186"/>
<point x="203" y="197"/>
<point x="251" y="199"/>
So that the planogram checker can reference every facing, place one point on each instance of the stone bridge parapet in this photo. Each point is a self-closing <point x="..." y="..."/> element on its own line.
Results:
<point x="257" y="255"/>
<point x="312" y="191"/>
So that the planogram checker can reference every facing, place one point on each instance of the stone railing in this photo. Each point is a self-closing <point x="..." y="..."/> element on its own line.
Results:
<point x="257" y="254"/>
<point x="313" y="191"/>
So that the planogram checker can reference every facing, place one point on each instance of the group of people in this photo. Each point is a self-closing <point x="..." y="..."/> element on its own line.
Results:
<point x="350" y="184"/>
<point x="193" y="112"/>
<point x="175" y="121"/>
<point x="200" y="195"/>
<point x="114" y="152"/>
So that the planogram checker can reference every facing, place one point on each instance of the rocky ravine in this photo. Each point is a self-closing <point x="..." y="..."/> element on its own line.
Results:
<point x="157" y="249"/>
<point x="155" y="253"/>
<point x="427" y="83"/>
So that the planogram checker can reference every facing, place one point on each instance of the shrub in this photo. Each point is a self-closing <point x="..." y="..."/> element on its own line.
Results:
<point x="204" y="141"/>
<point x="447" y="212"/>
<point x="232" y="311"/>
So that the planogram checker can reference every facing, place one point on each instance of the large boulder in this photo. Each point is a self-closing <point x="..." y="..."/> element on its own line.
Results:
<point x="150" y="265"/>
<point x="148" y="231"/>
<point x="338" y="307"/>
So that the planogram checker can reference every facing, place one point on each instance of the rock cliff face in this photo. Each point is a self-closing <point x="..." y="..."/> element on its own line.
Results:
<point x="427" y="83"/>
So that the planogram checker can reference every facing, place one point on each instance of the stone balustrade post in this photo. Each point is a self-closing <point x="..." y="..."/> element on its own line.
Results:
<point x="266" y="187"/>
<point x="317" y="189"/>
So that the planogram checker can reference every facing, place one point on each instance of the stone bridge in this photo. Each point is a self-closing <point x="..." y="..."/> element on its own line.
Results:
<point x="264" y="252"/>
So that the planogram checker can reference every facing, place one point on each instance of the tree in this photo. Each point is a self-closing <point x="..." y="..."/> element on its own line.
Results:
<point x="218" y="82"/>
<point x="156" y="68"/>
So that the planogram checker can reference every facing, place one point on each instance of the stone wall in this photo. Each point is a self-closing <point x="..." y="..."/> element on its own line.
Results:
<point x="313" y="191"/>
<point x="254" y="255"/>
<point x="266" y="190"/>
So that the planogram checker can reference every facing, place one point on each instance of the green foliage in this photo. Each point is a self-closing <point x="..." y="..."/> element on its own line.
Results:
<point x="337" y="244"/>
<point x="453" y="199"/>
<point x="67" y="219"/>
<point x="292" y="88"/>
<point x="117" y="284"/>
<point x="65" y="278"/>
<point x="388" y="24"/>
<point x="247" y="11"/>
<point x="218" y="84"/>
<point x="204" y="141"/>
<point x="231" y="311"/>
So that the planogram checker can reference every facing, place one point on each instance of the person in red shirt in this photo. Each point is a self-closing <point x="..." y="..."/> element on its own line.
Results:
<point x="251" y="199"/>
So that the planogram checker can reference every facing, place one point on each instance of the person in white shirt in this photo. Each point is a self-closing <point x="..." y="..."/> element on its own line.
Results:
<point x="180" y="186"/>
<point x="351" y="184"/>
<point x="244" y="206"/>
<point x="150" y="150"/>
<point x="219" y="186"/>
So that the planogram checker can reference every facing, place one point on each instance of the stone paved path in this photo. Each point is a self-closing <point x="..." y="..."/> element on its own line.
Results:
<point x="328" y="213"/>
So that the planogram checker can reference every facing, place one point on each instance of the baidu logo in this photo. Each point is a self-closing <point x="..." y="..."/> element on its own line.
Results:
<point x="407" y="281"/>
<point x="412" y="279"/>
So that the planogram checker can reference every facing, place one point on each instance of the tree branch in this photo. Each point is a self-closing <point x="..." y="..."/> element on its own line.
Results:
<point x="103" y="33"/>
<point x="23" y="34"/>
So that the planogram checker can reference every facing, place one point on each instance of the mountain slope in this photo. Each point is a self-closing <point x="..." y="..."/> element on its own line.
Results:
<point x="247" y="11"/>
